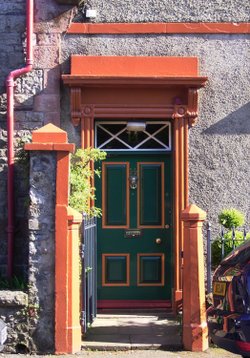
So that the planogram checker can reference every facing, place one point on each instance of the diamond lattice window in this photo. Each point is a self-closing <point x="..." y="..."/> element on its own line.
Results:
<point x="114" y="136"/>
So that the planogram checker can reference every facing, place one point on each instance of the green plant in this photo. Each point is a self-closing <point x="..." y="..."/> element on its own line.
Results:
<point x="230" y="218"/>
<point x="216" y="249"/>
<point x="21" y="155"/>
<point x="81" y="172"/>
<point x="12" y="284"/>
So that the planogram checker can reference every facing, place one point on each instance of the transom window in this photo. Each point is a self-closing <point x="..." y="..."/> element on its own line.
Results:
<point x="149" y="136"/>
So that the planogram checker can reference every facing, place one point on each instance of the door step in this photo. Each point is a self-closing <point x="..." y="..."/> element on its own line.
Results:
<point x="128" y="330"/>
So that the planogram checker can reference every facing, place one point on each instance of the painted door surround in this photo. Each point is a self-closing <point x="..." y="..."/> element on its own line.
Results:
<point x="164" y="88"/>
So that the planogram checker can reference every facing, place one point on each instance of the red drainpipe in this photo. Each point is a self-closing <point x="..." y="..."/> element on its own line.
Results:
<point x="10" y="129"/>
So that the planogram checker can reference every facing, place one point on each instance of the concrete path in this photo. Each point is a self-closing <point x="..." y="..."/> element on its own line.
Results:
<point x="127" y="330"/>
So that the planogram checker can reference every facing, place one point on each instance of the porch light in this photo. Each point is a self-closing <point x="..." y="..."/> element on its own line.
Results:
<point x="136" y="126"/>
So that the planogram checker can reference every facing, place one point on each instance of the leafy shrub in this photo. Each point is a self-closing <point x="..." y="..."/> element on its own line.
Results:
<point x="230" y="218"/>
<point x="216" y="249"/>
<point x="81" y="172"/>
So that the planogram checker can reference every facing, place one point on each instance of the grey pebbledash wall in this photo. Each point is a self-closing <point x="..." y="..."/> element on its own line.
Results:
<point x="219" y="164"/>
<point x="170" y="11"/>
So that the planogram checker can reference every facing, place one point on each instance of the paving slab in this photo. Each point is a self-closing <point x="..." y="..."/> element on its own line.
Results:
<point x="129" y="330"/>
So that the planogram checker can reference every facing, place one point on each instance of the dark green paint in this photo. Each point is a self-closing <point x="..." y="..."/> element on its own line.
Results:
<point x="115" y="188"/>
<point x="116" y="269"/>
<point x="114" y="240"/>
<point x="150" y="200"/>
<point x="150" y="271"/>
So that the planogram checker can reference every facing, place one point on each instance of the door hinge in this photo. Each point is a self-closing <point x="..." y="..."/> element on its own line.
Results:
<point x="83" y="316"/>
<point x="82" y="251"/>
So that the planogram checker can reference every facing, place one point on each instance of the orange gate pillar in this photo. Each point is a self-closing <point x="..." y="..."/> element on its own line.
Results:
<point x="67" y="338"/>
<point x="195" y="334"/>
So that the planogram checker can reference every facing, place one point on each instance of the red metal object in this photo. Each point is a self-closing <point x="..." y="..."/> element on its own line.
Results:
<point x="10" y="129"/>
<point x="243" y="346"/>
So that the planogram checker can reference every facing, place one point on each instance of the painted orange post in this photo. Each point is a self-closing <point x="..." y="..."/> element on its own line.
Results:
<point x="73" y="329"/>
<point x="67" y="223"/>
<point x="195" y="333"/>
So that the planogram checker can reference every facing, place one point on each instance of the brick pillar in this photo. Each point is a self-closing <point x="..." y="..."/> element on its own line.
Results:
<point x="65" y="318"/>
<point x="195" y="334"/>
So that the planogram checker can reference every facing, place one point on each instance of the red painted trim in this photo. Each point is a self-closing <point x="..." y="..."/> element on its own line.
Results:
<point x="133" y="304"/>
<point x="161" y="28"/>
<point x="134" y="66"/>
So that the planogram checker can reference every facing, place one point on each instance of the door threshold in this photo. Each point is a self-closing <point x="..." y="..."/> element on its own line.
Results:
<point x="133" y="304"/>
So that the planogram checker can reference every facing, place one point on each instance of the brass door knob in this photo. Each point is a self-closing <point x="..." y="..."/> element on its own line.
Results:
<point x="158" y="241"/>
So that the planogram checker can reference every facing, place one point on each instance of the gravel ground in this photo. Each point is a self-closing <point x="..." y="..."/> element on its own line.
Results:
<point x="211" y="353"/>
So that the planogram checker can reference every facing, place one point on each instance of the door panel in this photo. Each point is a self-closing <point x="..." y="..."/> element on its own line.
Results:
<point x="115" y="212"/>
<point x="134" y="240"/>
<point x="150" y="208"/>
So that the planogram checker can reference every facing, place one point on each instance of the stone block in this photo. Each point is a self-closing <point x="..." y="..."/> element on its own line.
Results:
<point x="15" y="23"/>
<point x="34" y="224"/>
<point x="13" y="298"/>
<point x="2" y="23"/>
<point x="7" y="8"/>
<point x="23" y="101"/>
<point x="53" y="117"/>
<point x="28" y="125"/>
<point x="46" y="56"/>
<point x="31" y="83"/>
<point x="29" y="116"/>
<point x="47" y="103"/>
<point x="3" y="102"/>
<point x="48" y="39"/>
<point x="52" y="80"/>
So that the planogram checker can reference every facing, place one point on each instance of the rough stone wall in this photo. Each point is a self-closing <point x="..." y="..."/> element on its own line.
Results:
<point x="14" y="311"/>
<point x="169" y="11"/>
<point x="42" y="247"/>
<point x="30" y="317"/>
<point x="12" y="26"/>
<point x="219" y="143"/>
<point x="37" y="102"/>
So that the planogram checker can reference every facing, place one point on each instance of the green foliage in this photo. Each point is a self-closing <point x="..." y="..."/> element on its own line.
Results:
<point x="230" y="218"/>
<point x="228" y="245"/>
<point x="81" y="172"/>
<point x="21" y="155"/>
<point x="13" y="284"/>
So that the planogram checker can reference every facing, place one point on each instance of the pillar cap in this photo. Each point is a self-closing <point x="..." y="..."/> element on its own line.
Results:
<point x="49" y="134"/>
<point x="49" y="138"/>
<point x="193" y="213"/>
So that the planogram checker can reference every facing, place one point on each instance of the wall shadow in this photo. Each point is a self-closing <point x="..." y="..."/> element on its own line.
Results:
<point x="237" y="122"/>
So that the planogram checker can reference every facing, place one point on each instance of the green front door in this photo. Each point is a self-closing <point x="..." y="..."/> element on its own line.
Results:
<point x="135" y="231"/>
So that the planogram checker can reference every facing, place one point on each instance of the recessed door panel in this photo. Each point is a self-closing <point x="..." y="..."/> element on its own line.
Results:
<point x="150" y="195"/>
<point x="114" y="185"/>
